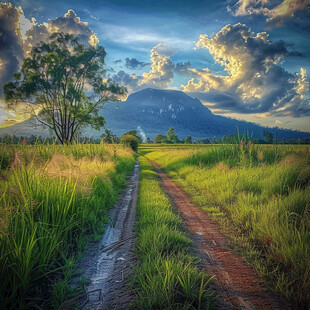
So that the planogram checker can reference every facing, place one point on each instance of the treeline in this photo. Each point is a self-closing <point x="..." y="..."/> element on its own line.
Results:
<point x="171" y="138"/>
<point x="133" y="139"/>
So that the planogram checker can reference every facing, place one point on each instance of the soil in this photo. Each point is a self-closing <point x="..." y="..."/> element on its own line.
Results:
<point x="236" y="283"/>
<point x="108" y="264"/>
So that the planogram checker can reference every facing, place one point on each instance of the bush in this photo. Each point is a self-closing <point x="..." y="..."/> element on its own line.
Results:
<point x="131" y="141"/>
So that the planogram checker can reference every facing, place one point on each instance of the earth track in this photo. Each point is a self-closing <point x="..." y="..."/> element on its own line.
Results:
<point x="107" y="264"/>
<point x="236" y="283"/>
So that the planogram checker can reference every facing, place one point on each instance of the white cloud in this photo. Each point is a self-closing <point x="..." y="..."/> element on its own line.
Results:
<point x="160" y="75"/>
<point x="276" y="13"/>
<point x="254" y="83"/>
<point x="18" y="34"/>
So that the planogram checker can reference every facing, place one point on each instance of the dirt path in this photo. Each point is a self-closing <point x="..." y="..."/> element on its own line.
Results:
<point x="237" y="283"/>
<point x="107" y="264"/>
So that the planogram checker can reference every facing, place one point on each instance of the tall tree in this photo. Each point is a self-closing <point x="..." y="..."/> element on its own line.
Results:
<point x="63" y="80"/>
<point x="171" y="136"/>
<point x="268" y="135"/>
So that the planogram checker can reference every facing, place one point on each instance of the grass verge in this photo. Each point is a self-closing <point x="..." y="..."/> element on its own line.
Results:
<point x="53" y="199"/>
<point x="261" y="196"/>
<point x="167" y="276"/>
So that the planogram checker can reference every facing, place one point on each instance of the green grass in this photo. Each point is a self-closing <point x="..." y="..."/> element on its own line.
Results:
<point x="166" y="276"/>
<point x="47" y="217"/>
<point x="261" y="196"/>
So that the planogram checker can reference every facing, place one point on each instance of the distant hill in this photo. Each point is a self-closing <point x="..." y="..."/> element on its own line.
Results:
<point x="154" y="111"/>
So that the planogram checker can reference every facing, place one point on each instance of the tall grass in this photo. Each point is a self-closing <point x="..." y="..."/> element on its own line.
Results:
<point x="262" y="196"/>
<point x="48" y="218"/>
<point x="167" y="276"/>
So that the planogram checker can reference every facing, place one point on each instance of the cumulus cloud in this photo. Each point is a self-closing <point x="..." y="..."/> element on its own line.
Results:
<point x="255" y="83"/>
<point x="134" y="63"/>
<point x="69" y="23"/>
<point x="276" y="13"/>
<point x="160" y="75"/>
<point x="18" y="34"/>
<point x="131" y="81"/>
<point x="12" y="44"/>
<point x="162" y="67"/>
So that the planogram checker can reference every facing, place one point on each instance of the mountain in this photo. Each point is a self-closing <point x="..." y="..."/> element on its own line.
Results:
<point x="154" y="111"/>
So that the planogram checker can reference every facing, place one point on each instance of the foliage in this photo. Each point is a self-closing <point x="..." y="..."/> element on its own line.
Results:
<point x="171" y="136"/>
<point x="130" y="141"/>
<point x="54" y="79"/>
<point x="188" y="140"/>
<point x="160" y="139"/>
<point x="268" y="135"/>
<point x="109" y="137"/>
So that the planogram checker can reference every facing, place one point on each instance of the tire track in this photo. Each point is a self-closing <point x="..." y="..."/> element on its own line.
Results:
<point x="236" y="283"/>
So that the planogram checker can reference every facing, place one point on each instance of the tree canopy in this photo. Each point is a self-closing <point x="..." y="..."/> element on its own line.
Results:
<point x="171" y="136"/>
<point x="64" y="80"/>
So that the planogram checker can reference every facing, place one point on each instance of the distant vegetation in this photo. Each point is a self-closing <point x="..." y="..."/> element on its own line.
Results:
<point x="260" y="194"/>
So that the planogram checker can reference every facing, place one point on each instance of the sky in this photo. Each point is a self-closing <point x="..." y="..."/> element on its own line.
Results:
<point x="247" y="59"/>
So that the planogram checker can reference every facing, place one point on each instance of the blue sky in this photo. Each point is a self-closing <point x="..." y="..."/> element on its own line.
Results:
<point x="158" y="39"/>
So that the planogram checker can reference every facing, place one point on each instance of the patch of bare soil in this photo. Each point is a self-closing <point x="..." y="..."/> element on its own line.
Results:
<point x="236" y="283"/>
<point x="107" y="264"/>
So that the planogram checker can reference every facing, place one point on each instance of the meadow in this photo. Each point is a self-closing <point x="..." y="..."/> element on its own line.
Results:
<point x="53" y="201"/>
<point x="260" y="194"/>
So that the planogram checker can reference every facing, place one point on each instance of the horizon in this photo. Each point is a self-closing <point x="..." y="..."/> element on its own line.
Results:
<point x="242" y="60"/>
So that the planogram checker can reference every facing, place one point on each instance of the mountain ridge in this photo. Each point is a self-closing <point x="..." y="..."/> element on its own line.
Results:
<point x="154" y="111"/>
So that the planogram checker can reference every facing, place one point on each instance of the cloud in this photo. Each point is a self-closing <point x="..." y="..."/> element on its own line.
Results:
<point x="69" y="23"/>
<point x="276" y="13"/>
<point x="131" y="81"/>
<point x="255" y="83"/>
<point x="12" y="45"/>
<point x="160" y="75"/>
<point x="18" y="34"/>
<point x="116" y="61"/>
<point x="182" y="68"/>
<point x="134" y="63"/>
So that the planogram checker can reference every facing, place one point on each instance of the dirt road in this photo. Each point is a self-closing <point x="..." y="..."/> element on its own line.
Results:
<point x="237" y="283"/>
<point x="107" y="264"/>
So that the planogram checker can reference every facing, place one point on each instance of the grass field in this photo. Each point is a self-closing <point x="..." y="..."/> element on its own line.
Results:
<point x="166" y="276"/>
<point x="261" y="196"/>
<point x="54" y="200"/>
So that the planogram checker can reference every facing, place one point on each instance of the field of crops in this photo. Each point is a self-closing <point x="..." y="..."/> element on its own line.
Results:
<point x="260" y="194"/>
<point x="54" y="200"/>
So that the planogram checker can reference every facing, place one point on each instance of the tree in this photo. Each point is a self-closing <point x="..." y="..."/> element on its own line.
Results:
<point x="130" y="141"/>
<point x="134" y="133"/>
<point x="188" y="140"/>
<point x="107" y="137"/>
<point x="268" y="135"/>
<point x="160" y="139"/>
<point x="171" y="136"/>
<point x="63" y="79"/>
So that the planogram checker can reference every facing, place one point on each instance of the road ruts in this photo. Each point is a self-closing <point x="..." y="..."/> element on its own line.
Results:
<point x="236" y="283"/>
